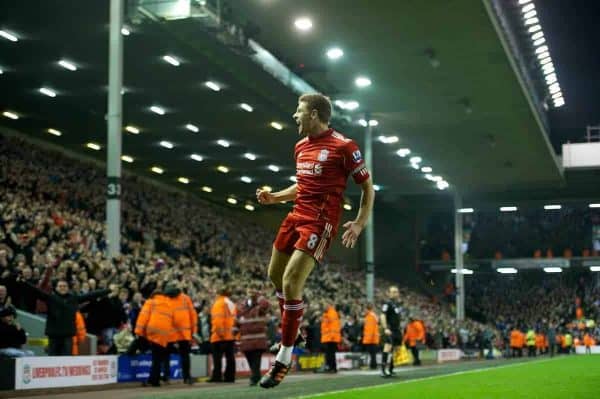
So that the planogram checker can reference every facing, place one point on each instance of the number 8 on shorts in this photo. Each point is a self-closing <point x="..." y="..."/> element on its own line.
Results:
<point x="312" y="241"/>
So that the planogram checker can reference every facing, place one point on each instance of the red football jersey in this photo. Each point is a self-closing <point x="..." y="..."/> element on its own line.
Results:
<point x="323" y="164"/>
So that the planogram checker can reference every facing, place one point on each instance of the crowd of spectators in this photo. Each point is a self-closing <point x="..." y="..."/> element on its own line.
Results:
<point x="51" y="229"/>
<point x="568" y="232"/>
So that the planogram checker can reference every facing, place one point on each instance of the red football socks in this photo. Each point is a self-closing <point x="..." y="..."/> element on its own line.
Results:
<point x="281" y="300"/>
<point x="292" y="316"/>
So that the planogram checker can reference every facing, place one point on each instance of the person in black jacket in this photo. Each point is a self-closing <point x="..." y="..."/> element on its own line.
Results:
<point x="60" y="321"/>
<point x="12" y="336"/>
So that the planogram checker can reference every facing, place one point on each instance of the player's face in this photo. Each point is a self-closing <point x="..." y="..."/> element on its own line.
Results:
<point x="305" y="119"/>
<point x="393" y="293"/>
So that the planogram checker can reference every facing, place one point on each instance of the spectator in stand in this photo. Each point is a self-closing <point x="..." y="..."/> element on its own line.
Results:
<point x="106" y="315"/>
<point x="252" y="319"/>
<point x="60" y="322"/>
<point x="12" y="335"/>
<point x="204" y="331"/>
<point x="4" y="298"/>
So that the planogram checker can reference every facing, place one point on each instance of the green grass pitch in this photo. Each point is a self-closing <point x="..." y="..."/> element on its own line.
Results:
<point x="574" y="377"/>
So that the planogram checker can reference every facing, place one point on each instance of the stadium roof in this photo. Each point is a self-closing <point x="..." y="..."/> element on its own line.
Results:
<point x="441" y="82"/>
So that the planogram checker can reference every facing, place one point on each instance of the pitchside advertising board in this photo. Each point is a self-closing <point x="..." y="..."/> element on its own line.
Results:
<point x="137" y="368"/>
<point x="580" y="350"/>
<point x="64" y="371"/>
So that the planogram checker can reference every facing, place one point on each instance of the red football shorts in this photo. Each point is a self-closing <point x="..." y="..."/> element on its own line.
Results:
<point x="310" y="236"/>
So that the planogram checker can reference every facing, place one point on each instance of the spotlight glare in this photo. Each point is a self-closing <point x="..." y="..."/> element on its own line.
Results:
<point x="213" y="86"/>
<point x="157" y="170"/>
<point x="132" y="129"/>
<point x="48" y="92"/>
<point x="250" y="156"/>
<point x="166" y="144"/>
<point x="192" y="128"/>
<point x="223" y="143"/>
<point x="93" y="146"/>
<point x="10" y="115"/>
<point x="54" y="132"/>
<point x="197" y="158"/>
<point x="157" y="110"/>
<point x="403" y="152"/>
<point x="303" y="24"/>
<point x="276" y="125"/>
<point x="362" y="81"/>
<point x="67" y="65"/>
<point x="552" y="207"/>
<point x="8" y="36"/>
<point x="171" y="60"/>
<point x="335" y="53"/>
<point x="246" y="107"/>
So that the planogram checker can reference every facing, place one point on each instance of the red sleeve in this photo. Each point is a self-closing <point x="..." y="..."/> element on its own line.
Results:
<point x="354" y="164"/>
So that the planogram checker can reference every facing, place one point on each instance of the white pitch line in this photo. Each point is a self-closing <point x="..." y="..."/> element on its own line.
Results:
<point x="435" y="377"/>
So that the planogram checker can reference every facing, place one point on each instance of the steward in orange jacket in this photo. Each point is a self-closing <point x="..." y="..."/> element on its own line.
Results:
<point x="80" y="333"/>
<point x="331" y="336"/>
<point x="540" y="342"/>
<point x="370" y="336"/>
<point x="155" y="323"/>
<point x="414" y="335"/>
<point x="588" y="342"/>
<point x="517" y="340"/>
<point x="185" y="325"/>
<point x="370" y="327"/>
<point x="222" y="338"/>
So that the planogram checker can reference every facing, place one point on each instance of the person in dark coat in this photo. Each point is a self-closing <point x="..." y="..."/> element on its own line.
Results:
<point x="252" y="319"/>
<point x="12" y="335"/>
<point x="60" y="321"/>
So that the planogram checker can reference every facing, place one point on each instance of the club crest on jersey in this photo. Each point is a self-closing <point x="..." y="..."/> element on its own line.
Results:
<point x="356" y="155"/>
<point x="323" y="155"/>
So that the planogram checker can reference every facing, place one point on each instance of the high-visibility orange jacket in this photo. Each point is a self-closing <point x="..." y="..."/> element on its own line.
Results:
<point x="185" y="318"/>
<point x="415" y="332"/>
<point x="80" y="333"/>
<point x="540" y="340"/>
<point x="330" y="326"/>
<point x="155" y="322"/>
<point x="588" y="340"/>
<point x="577" y="342"/>
<point x="370" y="329"/>
<point x="516" y="339"/>
<point x="222" y="318"/>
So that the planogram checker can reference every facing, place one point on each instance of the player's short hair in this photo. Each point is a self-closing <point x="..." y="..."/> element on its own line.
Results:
<point x="318" y="102"/>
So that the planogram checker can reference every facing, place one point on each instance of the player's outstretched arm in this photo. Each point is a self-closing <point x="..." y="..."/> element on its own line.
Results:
<point x="355" y="227"/>
<point x="267" y="198"/>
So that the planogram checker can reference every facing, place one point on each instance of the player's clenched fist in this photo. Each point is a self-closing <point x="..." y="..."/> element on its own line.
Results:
<point x="264" y="197"/>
